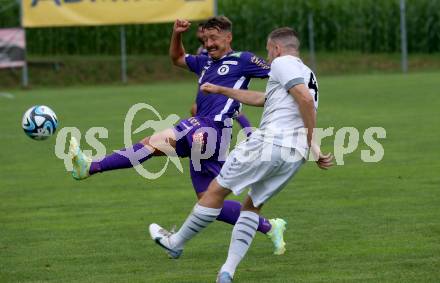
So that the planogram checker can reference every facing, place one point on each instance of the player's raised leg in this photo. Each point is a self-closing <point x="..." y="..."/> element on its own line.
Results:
<point x="158" y="144"/>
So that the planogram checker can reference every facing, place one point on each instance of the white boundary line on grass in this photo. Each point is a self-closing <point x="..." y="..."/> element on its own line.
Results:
<point x="7" y="95"/>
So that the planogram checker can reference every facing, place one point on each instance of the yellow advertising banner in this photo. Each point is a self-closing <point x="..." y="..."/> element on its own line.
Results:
<point x="49" y="13"/>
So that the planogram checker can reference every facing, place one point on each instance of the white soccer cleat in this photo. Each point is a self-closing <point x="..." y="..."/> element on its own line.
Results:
<point x="81" y="162"/>
<point x="162" y="237"/>
<point x="276" y="235"/>
<point x="224" y="277"/>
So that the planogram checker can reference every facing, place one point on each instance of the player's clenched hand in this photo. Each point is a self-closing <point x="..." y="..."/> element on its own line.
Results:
<point x="210" y="88"/>
<point x="181" y="26"/>
<point x="325" y="161"/>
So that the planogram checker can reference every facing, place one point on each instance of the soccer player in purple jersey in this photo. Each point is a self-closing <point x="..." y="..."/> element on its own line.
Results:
<point x="240" y="117"/>
<point x="223" y="67"/>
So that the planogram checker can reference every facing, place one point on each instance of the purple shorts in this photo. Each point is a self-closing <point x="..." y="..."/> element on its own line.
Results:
<point x="204" y="141"/>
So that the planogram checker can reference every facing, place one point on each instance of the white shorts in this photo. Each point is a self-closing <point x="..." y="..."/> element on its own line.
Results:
<point x="261" y="166"/>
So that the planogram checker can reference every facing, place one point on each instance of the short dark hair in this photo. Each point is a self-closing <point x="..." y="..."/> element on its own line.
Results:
<point x="201" y="24"/>
<point x="220" y="23"/>
<point x="286" y="36"/>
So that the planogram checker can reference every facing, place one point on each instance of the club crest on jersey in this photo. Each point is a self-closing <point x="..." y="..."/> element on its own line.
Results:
<point x="223" y="70"/>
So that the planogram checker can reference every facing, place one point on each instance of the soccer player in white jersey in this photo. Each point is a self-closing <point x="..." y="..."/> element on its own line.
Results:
<point x="268" y="159"/>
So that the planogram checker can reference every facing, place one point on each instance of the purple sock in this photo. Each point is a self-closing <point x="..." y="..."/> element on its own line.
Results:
<point x="244" y="123"/>
<point x="120" y="159"/>
<point x="231" y="211"/>
<point x="264" y="226"/>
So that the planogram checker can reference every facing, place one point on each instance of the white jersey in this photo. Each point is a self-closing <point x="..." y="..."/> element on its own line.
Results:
<point x="282" y="123"/>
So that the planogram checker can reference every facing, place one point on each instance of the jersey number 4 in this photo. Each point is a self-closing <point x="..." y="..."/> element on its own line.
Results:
<point x="313" y="85"/>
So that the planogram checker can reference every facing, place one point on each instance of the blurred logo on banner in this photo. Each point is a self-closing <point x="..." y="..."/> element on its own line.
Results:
<point x="47" y="13"/>
<point x="12" y="48"/>
<point x="35" y="2"/>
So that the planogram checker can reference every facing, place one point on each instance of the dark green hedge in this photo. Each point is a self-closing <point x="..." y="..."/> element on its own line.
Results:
<point x="360" y="25"/>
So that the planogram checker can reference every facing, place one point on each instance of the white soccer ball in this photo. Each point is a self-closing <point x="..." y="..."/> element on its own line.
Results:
<point x="39" y="122"/>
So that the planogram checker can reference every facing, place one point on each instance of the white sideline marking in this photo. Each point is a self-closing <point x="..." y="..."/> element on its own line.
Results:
<point x="7" y="95"/>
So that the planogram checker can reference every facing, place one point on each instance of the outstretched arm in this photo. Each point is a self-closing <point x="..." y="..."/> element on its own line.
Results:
<point x="177" y="51"/>
<point x="249" y="97"/>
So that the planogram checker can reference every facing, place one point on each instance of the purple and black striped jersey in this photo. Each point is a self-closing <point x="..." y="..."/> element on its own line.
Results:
<point x="234" y="70"/>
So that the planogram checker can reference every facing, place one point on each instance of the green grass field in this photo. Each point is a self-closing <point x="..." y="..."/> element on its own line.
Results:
<point x="365" y="222"/>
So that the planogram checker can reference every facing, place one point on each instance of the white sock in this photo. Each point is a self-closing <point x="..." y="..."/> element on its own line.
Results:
<point x="242" y="236"/>
<point x="199" y="218"/>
